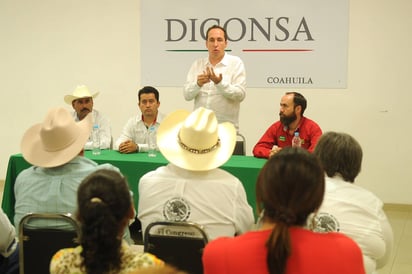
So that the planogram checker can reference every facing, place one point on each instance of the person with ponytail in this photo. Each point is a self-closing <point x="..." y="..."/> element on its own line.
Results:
<point x="104" y="208"/>
<point x="289" y="189"/>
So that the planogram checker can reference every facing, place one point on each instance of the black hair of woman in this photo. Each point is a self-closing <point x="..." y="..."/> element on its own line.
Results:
<point x="104" y="210"/>
<point x="289" y="188"/>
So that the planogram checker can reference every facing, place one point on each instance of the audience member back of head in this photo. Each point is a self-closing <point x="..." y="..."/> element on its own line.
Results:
<point x="104" y="208"/>
<point x="289" y="188"/>
<point x="348" y="208"/>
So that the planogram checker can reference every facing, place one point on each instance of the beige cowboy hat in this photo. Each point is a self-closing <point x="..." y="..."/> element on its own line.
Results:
<point x="195" y="141"/>
<point x="57" y="140"/>
<point x="80" y="92"/>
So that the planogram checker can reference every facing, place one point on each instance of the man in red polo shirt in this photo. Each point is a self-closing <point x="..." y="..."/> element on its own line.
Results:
<point x="280" y="134"/>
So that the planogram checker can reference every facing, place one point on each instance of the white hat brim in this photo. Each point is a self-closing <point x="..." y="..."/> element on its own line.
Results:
<point x="70" y="98"/>
<point x="167" y="141"/>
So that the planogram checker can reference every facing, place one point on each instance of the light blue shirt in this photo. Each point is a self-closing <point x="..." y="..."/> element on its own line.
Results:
<point x="52" y="190"/>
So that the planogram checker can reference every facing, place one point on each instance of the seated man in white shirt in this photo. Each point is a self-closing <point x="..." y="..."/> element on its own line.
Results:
<point x="82" y="102"/>
<point x="192" y="187"/>
<point x="349" y="208"/>
<point x="135" y="133"/>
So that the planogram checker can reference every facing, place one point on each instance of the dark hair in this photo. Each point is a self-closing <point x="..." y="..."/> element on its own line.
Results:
<point x="216" y="27"/>
<point x="289" y="187"/>
<point x="339" y="153"/>
<point x="298" y="100"/>
<point x="103" y="203"/>
<point x="147" y="90"/>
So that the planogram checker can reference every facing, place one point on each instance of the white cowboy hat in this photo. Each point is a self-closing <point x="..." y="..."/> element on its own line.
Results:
<point x="79" y="92"/>
<point x="57" y="140"/>
<point x="195" y="141"/>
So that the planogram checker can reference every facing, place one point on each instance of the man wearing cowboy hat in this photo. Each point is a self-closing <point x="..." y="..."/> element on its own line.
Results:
<point x="135" y="133"/>
<point x="192" y="187"/>
<point x="55" y="149"/>
<point x="82" y="102"/>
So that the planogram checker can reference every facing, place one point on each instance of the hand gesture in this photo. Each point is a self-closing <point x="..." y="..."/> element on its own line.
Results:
<point x="212" y="76"/>
<point x="203" y="79"/>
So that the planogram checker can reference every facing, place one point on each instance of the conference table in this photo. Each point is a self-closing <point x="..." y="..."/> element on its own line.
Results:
<point x="135" y="165"/>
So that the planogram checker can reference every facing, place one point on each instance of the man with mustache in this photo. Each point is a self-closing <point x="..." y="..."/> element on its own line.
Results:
<point x="82" y="102"/>
<point x="280" y="134"/>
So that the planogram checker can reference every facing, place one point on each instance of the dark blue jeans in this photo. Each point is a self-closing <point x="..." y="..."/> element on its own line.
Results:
<point x="10" y="265"/>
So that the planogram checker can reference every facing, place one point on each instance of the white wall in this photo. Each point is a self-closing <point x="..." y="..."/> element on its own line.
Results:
<point x="48" y="47"/>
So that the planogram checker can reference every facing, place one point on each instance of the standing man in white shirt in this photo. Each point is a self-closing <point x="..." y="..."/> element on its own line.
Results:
<point x="82" y="102"/>
<point x="135" y="133"/>
<point x="217" y="82"/>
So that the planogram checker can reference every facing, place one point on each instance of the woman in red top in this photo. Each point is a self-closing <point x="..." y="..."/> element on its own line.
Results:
<point x="289" y="188"/>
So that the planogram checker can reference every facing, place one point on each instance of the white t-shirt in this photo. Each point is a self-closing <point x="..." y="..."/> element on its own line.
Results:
<point x="358" y="213"/>
<point x="214" y="199"/>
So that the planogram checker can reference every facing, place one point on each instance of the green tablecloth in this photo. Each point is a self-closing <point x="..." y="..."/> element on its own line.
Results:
<point x="134" y="166"/>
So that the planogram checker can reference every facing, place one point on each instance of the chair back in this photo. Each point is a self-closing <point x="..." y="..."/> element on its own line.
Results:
<point x="38" y="242"/>
<point x="240" y="147"/>
<point x="179" y="244"/>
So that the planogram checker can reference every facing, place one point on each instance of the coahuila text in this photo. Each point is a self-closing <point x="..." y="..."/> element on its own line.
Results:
<point x="289" y="80"/>
<point x="270" y="29"/>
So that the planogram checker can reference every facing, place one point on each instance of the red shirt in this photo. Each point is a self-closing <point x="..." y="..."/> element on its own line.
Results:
<point x="277" y="134"/>
<point x="320" y="253"/>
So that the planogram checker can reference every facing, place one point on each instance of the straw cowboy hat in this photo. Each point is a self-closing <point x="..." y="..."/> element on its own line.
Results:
<point x="195" y="141"/>
<point x="79" y="92"/>
<point x="57" y="140"/>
